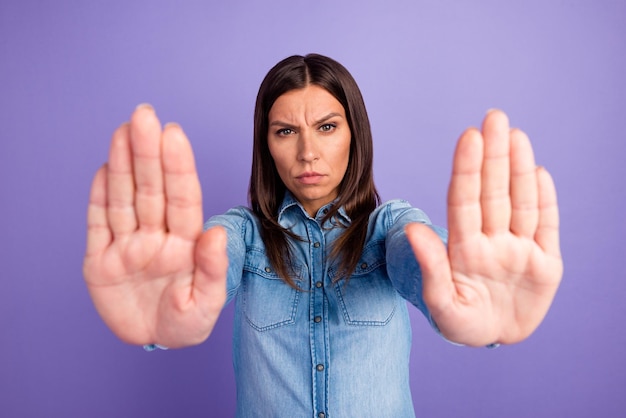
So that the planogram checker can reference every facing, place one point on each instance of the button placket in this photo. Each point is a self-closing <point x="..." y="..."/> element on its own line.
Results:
<point x="317" y="323"/>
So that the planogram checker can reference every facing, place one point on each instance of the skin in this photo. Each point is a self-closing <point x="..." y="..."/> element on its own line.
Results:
<point x="155" y="277"/>
<point x="309" y="140"/>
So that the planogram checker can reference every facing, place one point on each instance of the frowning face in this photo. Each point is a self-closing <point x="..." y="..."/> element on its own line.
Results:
<point x="309" y="140"/>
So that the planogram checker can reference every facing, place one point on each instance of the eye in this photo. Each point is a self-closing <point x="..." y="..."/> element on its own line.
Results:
<point x="327" y="127"/>
<point x="284" y="132"/>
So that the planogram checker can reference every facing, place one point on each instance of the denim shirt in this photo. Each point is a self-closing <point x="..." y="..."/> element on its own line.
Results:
<point x="333" y="349"/>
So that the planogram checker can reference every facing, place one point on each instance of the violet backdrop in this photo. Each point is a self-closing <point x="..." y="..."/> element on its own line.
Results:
<point x="71" y="71"/>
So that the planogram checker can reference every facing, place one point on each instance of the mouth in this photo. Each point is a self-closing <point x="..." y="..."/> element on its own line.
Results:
<point x="310" y="177"/>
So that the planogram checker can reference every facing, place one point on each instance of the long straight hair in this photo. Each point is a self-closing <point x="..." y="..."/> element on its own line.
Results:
<point x="357" y="192"/>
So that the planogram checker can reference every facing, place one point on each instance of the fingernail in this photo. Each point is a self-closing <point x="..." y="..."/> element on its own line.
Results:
<point x="144" y="106"/>
<point x="491" y="109"/>
<point x="171" y="125"/>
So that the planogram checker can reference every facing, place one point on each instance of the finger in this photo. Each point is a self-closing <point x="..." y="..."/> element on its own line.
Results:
<point x="145" y="138"/>
<point x="437" y="287"/>
<point x="98" y="232"/>
<point x="464" y="211"/>
<point x="209" y="284"/>
<point x="120" y="184"/>
<point x="524" y="211"/>
<point x="547" y="235"/>
<point x="182" y="187"/>
<point x="495" y="200"/>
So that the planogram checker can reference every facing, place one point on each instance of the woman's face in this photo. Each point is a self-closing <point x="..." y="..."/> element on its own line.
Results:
<point x="309" y="140"/>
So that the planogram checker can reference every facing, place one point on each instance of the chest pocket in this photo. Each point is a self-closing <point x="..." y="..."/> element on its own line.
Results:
<point x="267" y="301"/>
<point x="368" y="298"/>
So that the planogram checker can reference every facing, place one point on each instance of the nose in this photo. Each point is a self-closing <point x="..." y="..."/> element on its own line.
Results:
<point x="307" y="147"/>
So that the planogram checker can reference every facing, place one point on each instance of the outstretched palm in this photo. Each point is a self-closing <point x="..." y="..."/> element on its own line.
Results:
<point x="500" y="272"/>
<point x="153" y="275"/>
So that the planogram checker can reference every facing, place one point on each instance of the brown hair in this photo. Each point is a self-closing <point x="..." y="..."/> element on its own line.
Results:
<point x="357" y="193"/>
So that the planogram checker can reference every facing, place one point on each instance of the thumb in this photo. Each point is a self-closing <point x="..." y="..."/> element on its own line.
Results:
<point x="211" y="268"/>
<point x="432" y="256"/>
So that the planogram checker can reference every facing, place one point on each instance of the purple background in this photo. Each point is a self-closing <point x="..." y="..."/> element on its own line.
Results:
<point x="71" y="71"/>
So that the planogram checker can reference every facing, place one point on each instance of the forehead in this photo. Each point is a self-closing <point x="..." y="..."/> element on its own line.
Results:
<point x="310" y="101"/>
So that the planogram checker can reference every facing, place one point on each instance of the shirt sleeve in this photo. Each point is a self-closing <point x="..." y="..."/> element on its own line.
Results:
<point x="235" y="223"/>
<point x="402" y="267"/>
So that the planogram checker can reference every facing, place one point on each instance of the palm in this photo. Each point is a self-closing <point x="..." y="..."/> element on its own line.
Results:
<point x="153" y="276"/>
<point x="502" y="267"/>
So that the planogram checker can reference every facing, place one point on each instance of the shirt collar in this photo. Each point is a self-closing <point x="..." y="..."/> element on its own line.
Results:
<point x="289" y="201"/>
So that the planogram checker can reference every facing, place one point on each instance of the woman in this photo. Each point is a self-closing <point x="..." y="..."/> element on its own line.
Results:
<point x="319" y="269"/>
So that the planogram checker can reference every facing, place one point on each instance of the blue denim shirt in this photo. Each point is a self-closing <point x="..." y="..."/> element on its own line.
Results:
<point x="332" y="349"/>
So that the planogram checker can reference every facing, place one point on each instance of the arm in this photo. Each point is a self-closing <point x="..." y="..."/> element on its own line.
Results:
<point x="497" y="277"/>
<point x="402" y="267"/>
<point x="235" y="222"/>
<point x="153" y="275"/>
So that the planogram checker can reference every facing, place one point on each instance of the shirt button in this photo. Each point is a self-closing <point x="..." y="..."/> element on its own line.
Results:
<point x="268" y="270"/>
<point x="320" y="367"/>
<point x="364" y="266"/>
<point x="318" y="319"/>
<point x="321" y="415"/>
<point x="318" y="284"/>
<point x="316" y="245"/>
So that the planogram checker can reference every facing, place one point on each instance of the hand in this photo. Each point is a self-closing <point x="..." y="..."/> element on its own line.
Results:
<point x="500" y="272"/>
<point x="154" y="277"/>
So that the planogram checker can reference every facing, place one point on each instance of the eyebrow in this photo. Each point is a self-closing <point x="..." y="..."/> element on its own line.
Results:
<point x="318" y="122"/>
